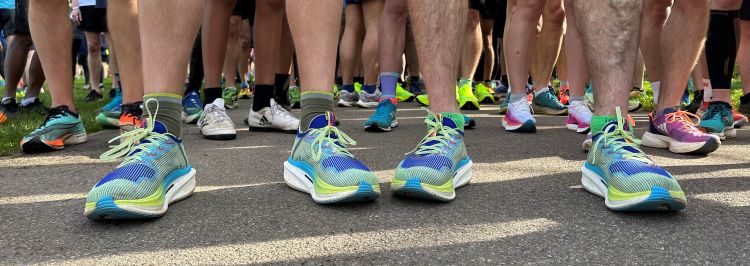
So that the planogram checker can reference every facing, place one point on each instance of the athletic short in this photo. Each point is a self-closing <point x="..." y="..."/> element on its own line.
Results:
<point x="245" y="9"/>
<point x="486" y="8"/>
<point x="22" y="17"/>
<point x="94" y="19"/>
<point x="353" y="2"/>
<point x="745" y="10"/>
<point x="7" y="20"/>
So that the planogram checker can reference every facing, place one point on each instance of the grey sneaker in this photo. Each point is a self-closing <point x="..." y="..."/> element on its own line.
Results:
<point x="347" y="99"/>
<point x="367" y="100"/>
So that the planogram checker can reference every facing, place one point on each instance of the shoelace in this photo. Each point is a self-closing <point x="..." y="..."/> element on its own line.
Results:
<point x="685" y="118"/>
<point x="437" y="133"/>
<point x="522" y="106"/>
<point x="138" y="138"/>
<point x="323" y="139"/>
<point x="215" y="115"/>
<point x="623" y="139"/>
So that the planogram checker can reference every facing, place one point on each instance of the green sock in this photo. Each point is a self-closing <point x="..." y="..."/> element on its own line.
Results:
<point x="457" y="118"/>
<point x="598" y="122"/>
<point x="169" y="110"/>
<point x="312" y="104"/>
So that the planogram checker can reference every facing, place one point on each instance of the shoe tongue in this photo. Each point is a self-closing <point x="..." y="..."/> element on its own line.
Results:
<point x="452" y="120"/>
<point x="611" y="127"/>
<point x="323" y="120"/>
<point x="219" y="103"/>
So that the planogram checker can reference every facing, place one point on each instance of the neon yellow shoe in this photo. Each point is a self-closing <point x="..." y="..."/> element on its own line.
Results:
<point x="357" y="87"/>
<point x="466" y="98"/>
<point x="423" y="100"/>
<point x="484" y="94"/>
<point x="403" y="95"/>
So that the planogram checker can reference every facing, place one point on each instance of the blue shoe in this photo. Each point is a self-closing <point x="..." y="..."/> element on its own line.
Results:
<point x="153" y="174"/>
<point x="545" y="102"/>
<point x="322" y="166"/>
<point x="192" y="107"/>
<point x="439" y="164"/>
<point x="60" y="128"/>
<point x="416" y="87"/>
<point x="109" y="115"/>
<point x="469" y="122"/>
<point x="384" y="118"/>
<point x="625" y="177"/>
<point x="718" y="120"/>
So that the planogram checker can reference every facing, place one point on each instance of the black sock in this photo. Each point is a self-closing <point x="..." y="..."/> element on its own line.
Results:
<point x="262" y="98"/>
<point x="745" y="99"/>
<point x="504" y="79"/>
<point x="281" y="89"/>
<point x="361" y="80"/>
<point x="211" y="94"/>
<point x="338" y="80"/>
<point x="414" y="78"/>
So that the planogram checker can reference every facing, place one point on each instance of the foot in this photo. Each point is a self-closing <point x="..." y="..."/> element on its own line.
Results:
<point x="518" y="118"/>
<point x="740" y="120"/>
<point x="674" y="130"/>
<point x="347" y="99"/>
<point x="439" y="164"/>
<point x="696" y="102"/>
<point x="93" y="96"/>
<point x="215" y="124"/>
<point x="229" y="94"/>
<point x="192" y="107"/>
<point x="625" y="177"/>
<point x="153" y="174"/>
<point x="272" y="118"/>
<point x="294" y="97"/>
<point x="402" y="94"/>
<point x="579" y="118"/>
<point x="321" y="165"/>
<point x="60" y="128"/>
<point x="466" y="98"/>
<point x="245" y="92"/>
<point x="423" y="100"/>
<point x="484" y="94"/>
<point x="718" y="120"/>
<point x="545" y="102"/>
<point x="9" y="106"/>
<point x="368" y="100"/>
<point x="35" y="107"/>
<point x="384" y="118"/>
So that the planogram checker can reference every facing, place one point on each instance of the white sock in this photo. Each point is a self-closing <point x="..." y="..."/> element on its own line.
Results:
<point x="6" y="98"/>
<point x="655" y="88"/>
<point x="27" y="101"/>
<point x="707" y="90"/>
<point x="537" y="92"/>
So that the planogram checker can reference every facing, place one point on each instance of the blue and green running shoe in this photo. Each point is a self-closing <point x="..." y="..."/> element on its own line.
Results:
<point x="61" y="127"/>
<point x="384" y="118"/>
<point x="192" y="107"/>
<point x="109" y="115"/>
<point x="718" y="120"/>
<point x="153" y="174"/>
<point x="439" y="164"/>
<point x="322" y="165"/>
<point x="545" y="102"/>
<point x="625" y="177"/>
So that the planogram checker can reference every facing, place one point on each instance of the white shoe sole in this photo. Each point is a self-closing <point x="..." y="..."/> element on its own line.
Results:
<point x="296" y="178"/>
<point x="461" y="178"/>
<point x="665" y="142"/>
<point x="362" y="104"/>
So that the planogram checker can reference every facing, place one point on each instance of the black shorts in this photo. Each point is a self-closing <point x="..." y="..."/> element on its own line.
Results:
<point x="94" y="19"/>
<point x="245" y="9"/>
<point x="7" y="20"/>
<point x="22" y="17"/>
<point x="353" y="2"/>
<point x="486" y="8"/>
<point x="745" y="10"/>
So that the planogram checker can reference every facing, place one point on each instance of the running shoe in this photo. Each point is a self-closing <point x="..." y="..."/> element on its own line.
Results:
<point x="347" y="99"/>
<point x="423" y="100"/>
<point x="484" y="94"/>
<point x="718" y="120"/>
<point x="93" y="96"/>
<point x="416" y="87"/>
<point x="744" y="109"/>
<point x="740" y="120"/>
<point x="545" y="102"/>
<point x="466" y="98"/>
<point x="579" y="117"/>
<point x="34" y="107"/>
<point x="9" y="106"/>
<point x="130" y="117"/>
<point x="439" y="164"/>
<point x="153" y="174"/>
<point x="192" y="107"/>
<point x="215" y="124"/>
<point x="564" y="95"/>
<point x="589" y="94"/>
<point x="229" y="94"/>
<point x="250" y="79"/>
<point x="245" y="92"/>
<point x="357" y="87"/>
<point x="518" y="118"/>
<point x="625" y="177"/>
<point x="504" y="104"/>
<point x="272" y="118"/>
<point x="368" y="100"/>
<point x="696" y="102"/>
<point x="501" y="90"/>
<point x="586" y="145"/>
<point x="61" y="127"/>
<point x="469" y="123"/>
<point x="674" y="130"/>
<point x="322" y="166"/>
<point x="384" y="118"/>
<point x="3" y="117"/>
<point x="402" y="94"/>
<point x="294" y="97"/>
<point x="685" y="100"/>
<point x="109" y="115"/>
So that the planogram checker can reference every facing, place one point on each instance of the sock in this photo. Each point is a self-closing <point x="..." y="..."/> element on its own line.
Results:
<point x="655" y="88"/>
<point x="414" y="78"/>
<point x="745" y="99"/>
<point x="211" y="94"/>
<point x="504" y="79"/>
<point x="707" y="90"/>
<point x="540" y="91"/>
<point x="577" y="98"/>
<point x="517" y="96"/>
<point x="457" y="118"/>
<point x="388" y="84"/>
<point x="169" y="112"/>
<point x="262" y="98"/>
<point x="312" y="104"/>
<point x="598" y="122"/>
<point x="349" y="88"/>
<point x="359" y="80"/>
<point x="463" y="81"/>
<point x="27" y="101"/>
<point x="281" y="89"/>
<point x="370" y="89"/>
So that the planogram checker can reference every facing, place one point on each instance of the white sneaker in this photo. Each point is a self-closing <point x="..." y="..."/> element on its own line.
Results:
<point x="347" y="99"/>
<point x="214" y="123"/>
<point x="273" y="118"/>
<point x="367" y="100"/>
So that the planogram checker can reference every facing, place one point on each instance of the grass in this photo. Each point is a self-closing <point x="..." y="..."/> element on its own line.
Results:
<point x="20" y="124"/>
<point x="647" y="98"/>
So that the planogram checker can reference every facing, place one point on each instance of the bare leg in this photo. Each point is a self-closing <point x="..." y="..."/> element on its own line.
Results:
<point x="268" y="22"/>
<point x="244" y="57"/>
<point x="286" y="50"/>
<point x="353" y="34"/>
<point x="638" y="72"/>
<point x="214" y="34"/>
<point x="94" y="43"/>
<point x="525" y="16"/>
<point x="489" y="52"/>
<point x="655" y="13"/>
<point x="114" y="68"/>
<point x="315" y="38"/>
<point x="548" y="44"/>
<point x="232" y="57"/>
<point x="437" y="29"/>
<point x="371" y="11"/>
<point x="36" y="77"/>
<point x="51" y="30"/>
<point x="743" y="55"/>
<point x="392" y="35"/>
<point x="472" y="46"/>
<point x="411" y="52"/>
<point x="122" y="21"/>
<point x="15" y="62"/>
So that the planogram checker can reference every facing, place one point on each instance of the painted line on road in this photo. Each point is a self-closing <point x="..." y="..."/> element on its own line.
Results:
<point x="288" y="250"/>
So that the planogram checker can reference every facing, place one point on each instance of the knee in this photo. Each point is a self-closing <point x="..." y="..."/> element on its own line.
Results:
<point x="94" y="47"/>
<point x="472" y="20"/>
<point x="396" y="9"/>
<point x="554" y="15"/>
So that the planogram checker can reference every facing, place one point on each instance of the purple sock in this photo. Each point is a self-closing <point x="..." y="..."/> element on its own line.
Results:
<point x="388" y="84"/>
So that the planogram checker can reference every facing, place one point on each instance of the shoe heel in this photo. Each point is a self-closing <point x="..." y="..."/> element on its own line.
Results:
<point x="296" y="178"/>
<point x="652" y="140"/>
<point x="77" y="138"/>
<point x="591" y="181"/>
<point x="185" y="186"/>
